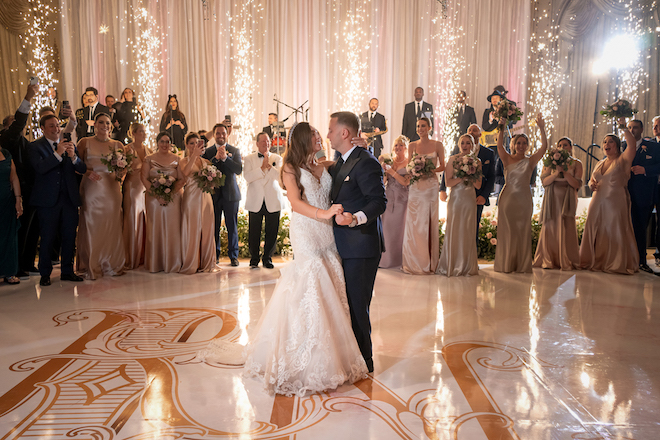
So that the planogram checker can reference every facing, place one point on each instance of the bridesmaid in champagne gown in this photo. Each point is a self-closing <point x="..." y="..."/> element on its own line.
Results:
<point x="100" y="249"/>
<point x="197" y="219"/>
<point x="394" y="217"/>
<point x="421" y="238"/>
<point x="163" y="232"/>
<point x="558" y="241"/>
<point x="134" y="201"/>
<point x="608" y="243"/>
<point x="459" y="250"/>
<point x="514" y="213"/>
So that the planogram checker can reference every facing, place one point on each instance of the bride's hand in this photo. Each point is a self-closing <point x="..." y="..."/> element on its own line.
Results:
<point x="334" y="210"/>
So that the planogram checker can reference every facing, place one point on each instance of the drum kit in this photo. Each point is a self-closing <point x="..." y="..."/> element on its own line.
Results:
<point x="278" y="142"/>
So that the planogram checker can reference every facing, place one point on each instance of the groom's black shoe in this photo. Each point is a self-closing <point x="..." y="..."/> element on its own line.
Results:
<point x="370" y="364"/>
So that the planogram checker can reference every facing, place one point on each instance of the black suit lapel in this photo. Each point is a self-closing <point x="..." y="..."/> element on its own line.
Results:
<point x="343" y="172"/>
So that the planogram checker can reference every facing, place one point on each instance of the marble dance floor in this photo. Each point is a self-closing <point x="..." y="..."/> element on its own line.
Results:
<point x="548" y="355"/>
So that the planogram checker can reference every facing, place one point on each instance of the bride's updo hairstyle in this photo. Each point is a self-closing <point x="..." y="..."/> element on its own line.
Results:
<point x="298" y="152"/>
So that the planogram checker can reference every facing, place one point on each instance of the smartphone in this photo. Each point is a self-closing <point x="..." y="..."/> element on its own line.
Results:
<point x="66" y="137"/>
<point x="228" y="118"/>
<point x="65" y="104"/>
<point x="34" y="80"/>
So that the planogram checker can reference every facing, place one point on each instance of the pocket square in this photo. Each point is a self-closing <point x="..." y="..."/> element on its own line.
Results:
<point x="487" y="162"/>
<point x="649" y="157"/>
<point x="347" y="178"/>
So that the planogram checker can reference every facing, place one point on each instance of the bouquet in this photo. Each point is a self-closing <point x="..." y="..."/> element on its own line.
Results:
<point x="385" y="158"/>
<point x="420" y="167"/>
<point x="118" y="162"/>
<point x="467" y="168"/>
<point x="558" y="158"/>
<point x="209" y="178"/>
<point x="620" y="109"/>
<point x="508" y="111"/>
<point x="161" y="187"/>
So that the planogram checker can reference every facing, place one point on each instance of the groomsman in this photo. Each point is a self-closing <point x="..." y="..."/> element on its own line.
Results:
<point x="465" y="117"/>
<point x="412" y="112"/>
<point x="263" y="200"/>
<point x="372" y="121"/>
<point x="226" y="198"/>
<point x="642" y="185"/>
<point x="56" y="197"/>
<point x="85" y="116"/>
<point x="487" y="158"/>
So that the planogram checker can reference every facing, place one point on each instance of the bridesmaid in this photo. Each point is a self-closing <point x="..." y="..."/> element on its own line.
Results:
<point x="100" y="249"/>
<point x="134" y="202"/>
<point x="514" y="214"/>
<point x="163" y="231"/>
<point x="394" y="217"/>
<point x="197" y="219"/>
<point x="608" y="243"/>
<point x="421" y="245"/>
<point x="558" y="242"/>
<point x="459" y="251"/>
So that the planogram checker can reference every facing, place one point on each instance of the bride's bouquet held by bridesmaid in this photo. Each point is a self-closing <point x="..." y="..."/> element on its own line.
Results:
<point x="162" y="187"/>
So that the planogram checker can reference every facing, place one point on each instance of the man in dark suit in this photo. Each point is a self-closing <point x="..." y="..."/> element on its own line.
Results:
<point x="464" y="116"/>
<point x="226" y="198"/>
<point x="412" y="112"/>
<point x="13" y="140"/>
<point x="357" y="184"/>
<point x="85" y="116"/>
<point x="642" y="185"/>
<point x="487" y="158"/>
<point x="656" y="138"/>
<point x="56" y="196"/>
<point x="372" y="121"/>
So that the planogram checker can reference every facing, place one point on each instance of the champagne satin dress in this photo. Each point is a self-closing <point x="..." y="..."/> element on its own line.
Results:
<point x="459" y="250"/>
<point x="514" y="220"/>
<point x="163" y="244"/>
<point x="100" y="247"/>
<point x="558" y="241"/>
<point x="608" y="243"/>
<point x="134" y="215"/>
<point x="421" y="245"/>
<point x="197" y="227"/>
<point x="394" y="220"/>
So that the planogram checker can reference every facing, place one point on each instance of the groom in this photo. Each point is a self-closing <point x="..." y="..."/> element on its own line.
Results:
<point x="357" y="184"/>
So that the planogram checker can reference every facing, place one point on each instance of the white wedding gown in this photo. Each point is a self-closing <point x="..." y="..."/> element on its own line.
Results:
<point x="304" y="341"/>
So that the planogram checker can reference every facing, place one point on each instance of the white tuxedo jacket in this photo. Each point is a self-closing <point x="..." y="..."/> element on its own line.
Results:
<point x="263" y="186"/>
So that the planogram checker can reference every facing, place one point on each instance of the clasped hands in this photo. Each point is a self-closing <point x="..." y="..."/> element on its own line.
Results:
<point x="221" y="154"/>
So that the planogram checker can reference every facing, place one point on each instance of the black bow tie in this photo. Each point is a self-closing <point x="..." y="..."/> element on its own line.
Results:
<point x="260" y="155"/>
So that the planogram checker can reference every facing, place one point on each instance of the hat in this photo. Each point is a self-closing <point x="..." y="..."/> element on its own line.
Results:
<point x="499" y="91"/>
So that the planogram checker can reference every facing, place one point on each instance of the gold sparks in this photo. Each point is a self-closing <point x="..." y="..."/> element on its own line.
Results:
<point x="103" y="29"/>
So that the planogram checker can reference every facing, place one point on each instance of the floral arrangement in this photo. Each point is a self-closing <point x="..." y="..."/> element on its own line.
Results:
<point x="118" y="161"/>
<point x="620" y="109"/>
<point x="209" y="178"/>
<point x="162" y="186"/>
<point x="507" y="111"/>
<point x="420" y="167"/>
<point x="558" y="158"/>
<point x="385" y="158"/>
<point x="467" y="168"/>
<point x="283" y="241"/>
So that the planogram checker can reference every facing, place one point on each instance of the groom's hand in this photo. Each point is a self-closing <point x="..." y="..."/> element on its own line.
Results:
<point x="344" y="219"/>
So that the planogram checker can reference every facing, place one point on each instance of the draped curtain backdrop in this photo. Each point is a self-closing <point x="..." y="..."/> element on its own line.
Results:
<point x="299" y="52"/>
<point x="306" y="50"/>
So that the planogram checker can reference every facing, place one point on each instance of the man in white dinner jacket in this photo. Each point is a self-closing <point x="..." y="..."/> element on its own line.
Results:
<point x="261" y="170"/>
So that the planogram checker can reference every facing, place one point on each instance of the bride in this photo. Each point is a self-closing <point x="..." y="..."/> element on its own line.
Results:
<point x="304" y="341"/>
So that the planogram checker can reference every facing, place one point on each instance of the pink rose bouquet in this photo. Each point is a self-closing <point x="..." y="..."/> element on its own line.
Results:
<point x="558" y="158"/>
<point x="467" y="168"/>
<point x="507" y="111"/>
<point x="209" y="178"/>
<point x="162" y="186"/>
<point x="620" y="109"/>
<point x="420" y="167"/>
<point x="118" y="161"/>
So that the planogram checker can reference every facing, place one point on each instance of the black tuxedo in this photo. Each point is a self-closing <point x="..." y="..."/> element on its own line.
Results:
<point x="358" y="186"/>
<point x="410" y="117"/>
<point x="487" y="158"/>
<point x="57" y="198"/>
<point x="13" y="140"/>
<point x="226" y="198"/>
<point x="83" y="115"/>
<point x="642" y="190"/>
<point x="464" y="118"/>
<point x="368" y="126"/>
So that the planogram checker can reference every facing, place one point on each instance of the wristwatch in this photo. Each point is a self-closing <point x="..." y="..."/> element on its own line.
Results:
<point x="354" y="222"/>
